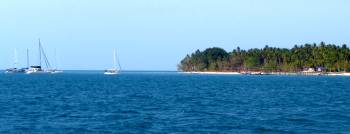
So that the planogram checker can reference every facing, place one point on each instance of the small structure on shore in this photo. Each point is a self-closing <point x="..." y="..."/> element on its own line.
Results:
<point x="309" y="70"/>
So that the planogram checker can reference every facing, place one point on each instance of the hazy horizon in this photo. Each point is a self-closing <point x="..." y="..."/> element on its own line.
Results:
<point x="156" y="34"/>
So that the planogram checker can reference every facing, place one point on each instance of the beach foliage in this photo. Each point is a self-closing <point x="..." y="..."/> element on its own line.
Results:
<point x="322" y="56"/>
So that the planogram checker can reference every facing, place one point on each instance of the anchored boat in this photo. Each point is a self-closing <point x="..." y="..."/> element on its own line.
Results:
<point x="56" y="70"/>
<point x="114" y="70"/>
<point x="38" y="69"/>
<point x="15" y="69"/>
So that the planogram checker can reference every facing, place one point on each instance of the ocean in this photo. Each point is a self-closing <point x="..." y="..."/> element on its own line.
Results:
<point x="171" y="102"/>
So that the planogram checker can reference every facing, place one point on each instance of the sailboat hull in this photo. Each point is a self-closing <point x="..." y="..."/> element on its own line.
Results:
<point x="111" y="73"/>
<point x="44" y="72"/>
<point x="56" y="72"/>
<point x="15" y="71"/>
<point x="38" y="72"/>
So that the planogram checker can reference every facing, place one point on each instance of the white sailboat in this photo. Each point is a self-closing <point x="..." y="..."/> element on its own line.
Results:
<point x="15" y="68"/>
<point x="39" y="69"/>
<point x="114" y="70"/>
<point x="56" y="70"/>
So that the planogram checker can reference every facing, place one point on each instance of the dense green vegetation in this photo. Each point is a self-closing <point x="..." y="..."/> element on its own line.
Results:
<point x="329" y="57"/>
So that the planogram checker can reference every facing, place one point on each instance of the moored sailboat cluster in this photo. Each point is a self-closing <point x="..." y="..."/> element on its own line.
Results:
<point x="44" y="66"/>
<point x="35" y="69"/>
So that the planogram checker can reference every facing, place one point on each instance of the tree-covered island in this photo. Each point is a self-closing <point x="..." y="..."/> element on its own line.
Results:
<point x="319" y="57"/>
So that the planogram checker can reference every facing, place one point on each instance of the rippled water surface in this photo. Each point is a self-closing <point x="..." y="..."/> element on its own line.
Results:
<point x="169" y="102"/>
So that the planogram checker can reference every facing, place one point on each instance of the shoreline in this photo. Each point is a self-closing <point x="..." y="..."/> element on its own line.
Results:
<point x="226" y="73"/>
<point x="274" y="73"/>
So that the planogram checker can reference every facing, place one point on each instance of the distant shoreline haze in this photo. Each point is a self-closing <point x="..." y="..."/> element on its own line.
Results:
<point x="322" y="57"/>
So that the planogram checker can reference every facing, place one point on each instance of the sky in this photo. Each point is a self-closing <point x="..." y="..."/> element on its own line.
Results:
<point x="157" y="34"/>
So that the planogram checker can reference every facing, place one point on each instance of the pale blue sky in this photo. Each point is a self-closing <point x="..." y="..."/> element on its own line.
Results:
<point x="157" y="34"/>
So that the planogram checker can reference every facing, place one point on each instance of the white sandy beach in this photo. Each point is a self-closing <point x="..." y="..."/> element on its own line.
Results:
<point x="221" y="73"/>
<point x="338" y="74"/>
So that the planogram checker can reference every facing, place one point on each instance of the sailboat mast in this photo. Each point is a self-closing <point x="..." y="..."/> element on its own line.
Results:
<point x="27" y="58"/>
<point x="115" y="59"/>
<point x="55" y="60"/>
<point x="42" y="53"/>
<point x="39" y="53"/>
<point x="16" y="59"/>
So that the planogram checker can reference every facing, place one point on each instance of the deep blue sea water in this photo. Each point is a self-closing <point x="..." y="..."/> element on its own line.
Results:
<point x="170" y="102"/>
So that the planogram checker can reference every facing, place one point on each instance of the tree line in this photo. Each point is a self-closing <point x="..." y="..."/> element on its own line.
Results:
<point x="328" y="57"/>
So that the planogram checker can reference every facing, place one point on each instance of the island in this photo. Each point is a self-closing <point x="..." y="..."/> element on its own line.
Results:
<point x="308" y="59"/>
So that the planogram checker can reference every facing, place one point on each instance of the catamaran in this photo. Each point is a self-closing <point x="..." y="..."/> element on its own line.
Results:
<point x="38" y="69"/>
<point x="114" y="70"/>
